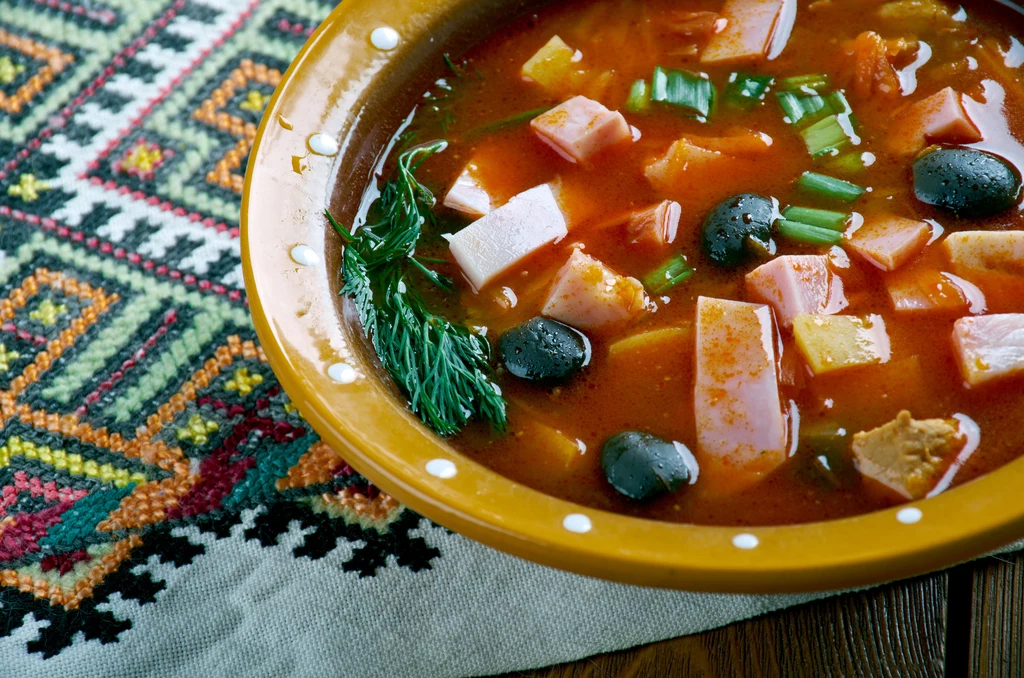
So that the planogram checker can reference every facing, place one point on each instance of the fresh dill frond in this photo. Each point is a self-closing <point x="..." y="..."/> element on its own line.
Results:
<point x="442" y="368"/>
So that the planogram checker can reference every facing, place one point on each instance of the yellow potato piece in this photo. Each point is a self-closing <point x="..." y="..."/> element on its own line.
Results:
<point x="553" y="66"/>
<point x="837" y="342"/>
<point x="669" y="338"/>
<point x="559" y="452"/>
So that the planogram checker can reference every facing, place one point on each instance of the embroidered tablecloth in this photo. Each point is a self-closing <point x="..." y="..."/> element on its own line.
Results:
<point x="164" y="510"/>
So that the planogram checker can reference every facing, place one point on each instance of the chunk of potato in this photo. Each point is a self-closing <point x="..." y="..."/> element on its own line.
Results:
<point x="559" y="452"/>
<point x="837" y="342"/>
<point x="667" y="338"/>
<point x="908" y="455"/>
<point x="553" y="67"/>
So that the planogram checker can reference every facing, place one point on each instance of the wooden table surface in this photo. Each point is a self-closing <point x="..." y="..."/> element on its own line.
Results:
<point x="967" y="621"/>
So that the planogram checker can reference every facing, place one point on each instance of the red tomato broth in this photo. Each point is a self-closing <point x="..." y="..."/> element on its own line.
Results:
<point x="652" y="390"/>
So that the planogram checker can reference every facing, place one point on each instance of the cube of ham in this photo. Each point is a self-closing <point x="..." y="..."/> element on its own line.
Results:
<point x="756" y="29"/>
<point x="939" y="119"/>
<point x="989" y="347"/>
<point x="928" y="290"/>
<point x="974" y="252"/>
<point x="581" y="128"/>
<point x="490" y="246"/>
<point x="889" y="241"/>
<point x="655" y="226"/>
<point x="742" y="430"/>
<point x="588" y="295"/>
<point x="992" y="260"/>
<point x="795" y="284"/>
<point x="468" y="195"/>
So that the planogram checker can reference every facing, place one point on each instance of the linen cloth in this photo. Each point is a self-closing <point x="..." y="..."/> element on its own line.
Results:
<point x="164" y="510"/>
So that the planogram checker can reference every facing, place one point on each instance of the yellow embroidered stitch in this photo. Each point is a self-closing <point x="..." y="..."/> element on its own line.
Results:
<point x="255" y="101"/>
<point x="73" y="463"/>
<point x="6" y="357"/>
<point x="47" y="312"/>
<point x="243" y="381"/>
<point x="28" y="188"/>
<point x="197" y="430"/>
<point x="143" y="158"/>
<point x="10" y="70"/>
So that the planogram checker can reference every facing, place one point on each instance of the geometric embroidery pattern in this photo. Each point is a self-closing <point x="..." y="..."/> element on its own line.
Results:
<point x="133" y="398"/>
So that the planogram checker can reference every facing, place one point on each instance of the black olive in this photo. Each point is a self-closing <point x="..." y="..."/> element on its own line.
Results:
<point x="965" y="181"/>
<point x="544" y="351"/>
<point x="643" y="467"/>
<point x="727" y="227"/>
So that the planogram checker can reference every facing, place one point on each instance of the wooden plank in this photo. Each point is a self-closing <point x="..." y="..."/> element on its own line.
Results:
<point x="896" y="631"/>
<point x="997" y="632"/>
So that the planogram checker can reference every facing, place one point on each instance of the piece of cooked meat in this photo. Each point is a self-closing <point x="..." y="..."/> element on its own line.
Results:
<point x="908" y="454"/>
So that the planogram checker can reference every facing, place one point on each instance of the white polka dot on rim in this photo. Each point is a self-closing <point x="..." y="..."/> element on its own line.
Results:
<point x="342" y="373"/>
<point x="745" y="541"/>
<point x="909" y="515"/>
<point x="384" y="38"/>
<point x="441" y="468"/>
<point x="305" y="255"/>
<point x="323" y="144"/>
<point x="577" y="522"/>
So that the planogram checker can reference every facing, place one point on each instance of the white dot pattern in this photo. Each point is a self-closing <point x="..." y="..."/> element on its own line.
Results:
<point x="441" y="468"/>
<point x="384" y="38"/>
<point x="578" y="523"/>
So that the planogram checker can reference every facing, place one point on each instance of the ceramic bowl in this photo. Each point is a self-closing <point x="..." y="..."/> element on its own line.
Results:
<point x="319" y="143"/>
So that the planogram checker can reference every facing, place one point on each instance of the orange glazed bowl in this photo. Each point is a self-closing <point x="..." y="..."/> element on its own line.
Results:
<point x="321" y="137"/>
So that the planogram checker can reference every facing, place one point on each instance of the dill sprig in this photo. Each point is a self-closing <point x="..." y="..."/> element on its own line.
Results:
<point x="443" y="368"/>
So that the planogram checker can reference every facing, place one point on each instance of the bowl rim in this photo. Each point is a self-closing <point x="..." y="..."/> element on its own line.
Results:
<point x="296" y="319"/>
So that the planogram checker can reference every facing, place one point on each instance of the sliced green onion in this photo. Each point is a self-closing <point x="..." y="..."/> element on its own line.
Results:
<point x="829" y="187"/>
<point x="803" y="109"/>
<point x="815" y="217"/>
<point x="847" y="162"/>
<point x="509" y="122"/>
<point x="812" y="235"/>
<point x="685" y="89"/>
<point x="838" y="103"/>
<point x="826" y="137"/>
<point x="668" y="275"/>
<point x="745" y="91"/>
<point x="804" y="82"/>
<point x="639" y="97"/>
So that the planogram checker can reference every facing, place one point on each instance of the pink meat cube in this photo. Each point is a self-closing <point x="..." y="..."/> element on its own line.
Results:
<point x="989" y="347"/>
<point x="795" y="284"/>
<point x="939" y="119"/>
<point x="467" y="194"/>
<point x="655" y="226"/>
<point x="742" y="429"/>
<point x="581" y="128"/>
<point x="755" y="29"/>
<point x="490" y="246"/>
<point x="889" y="241"/>
<point x="590" y="296"/>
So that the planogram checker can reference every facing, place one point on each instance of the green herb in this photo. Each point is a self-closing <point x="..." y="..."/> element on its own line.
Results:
<point x="847" y="162"/>
<point x="668" y="275"/>
<point x="745" y="91"/>
<point x="814" y="81"/>
<point x="829" y="187"/>
<point x="459" y="71"/>
<point x="509" y="122"/>
<point x="813" y="235"/>
<point x="442" y="368"/>
<point x="814" y="217"/>
<point x="692" y="91"/>
<point x="639" y="97"/>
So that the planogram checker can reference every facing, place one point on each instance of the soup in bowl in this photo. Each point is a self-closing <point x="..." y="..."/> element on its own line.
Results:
<point x="716" y="294"/>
